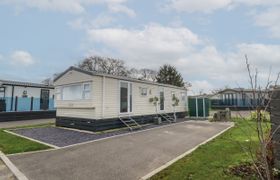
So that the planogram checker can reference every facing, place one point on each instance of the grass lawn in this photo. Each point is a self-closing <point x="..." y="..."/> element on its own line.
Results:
<point x="210" y="161"/>
<point x="10" y="144"/>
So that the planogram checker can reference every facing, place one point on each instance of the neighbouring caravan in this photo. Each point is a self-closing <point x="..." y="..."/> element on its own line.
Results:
<point x="25" y="100"/>
<point x="94" y="101"/>
<point x="238" y="98"/>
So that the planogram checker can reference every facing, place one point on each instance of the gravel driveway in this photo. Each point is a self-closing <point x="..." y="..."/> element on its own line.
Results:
<point x="62" y="137"/>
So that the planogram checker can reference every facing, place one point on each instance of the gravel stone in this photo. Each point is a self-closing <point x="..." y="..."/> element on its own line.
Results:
<point x="62" y="137"/>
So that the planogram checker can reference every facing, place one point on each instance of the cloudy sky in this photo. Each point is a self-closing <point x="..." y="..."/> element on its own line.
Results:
<point x="205" y="39"/>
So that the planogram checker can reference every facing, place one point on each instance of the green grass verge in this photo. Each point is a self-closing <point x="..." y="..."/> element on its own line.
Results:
<point x="11" y="144"/>
<point x="210" y="161"/>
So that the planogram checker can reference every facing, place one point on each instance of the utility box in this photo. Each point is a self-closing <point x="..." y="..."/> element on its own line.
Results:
<point x="222" y="115"/>
<point x="198" y="106"/>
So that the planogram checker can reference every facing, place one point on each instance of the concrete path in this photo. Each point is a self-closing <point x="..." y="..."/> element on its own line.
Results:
<point x="12" y="124"/>
<point x="125" y="157"/>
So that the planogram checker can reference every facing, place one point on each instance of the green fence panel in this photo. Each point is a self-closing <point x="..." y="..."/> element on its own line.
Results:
<point x="202" y="107"/>
<point x="207" y="107"/>
<point x="192" y="107"/>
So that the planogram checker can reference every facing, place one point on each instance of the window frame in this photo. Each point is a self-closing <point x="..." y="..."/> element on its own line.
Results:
<point x="83" y="91"/>
<point x="2" y="90"/>
<point x="183" y="96"/>
<point x="141" y="91"/>
<point x="86" y="91"/>
<point x="58" y="94"/>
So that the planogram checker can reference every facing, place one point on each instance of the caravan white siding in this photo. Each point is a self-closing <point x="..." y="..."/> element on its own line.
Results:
<point x="105" y="98"/>
<point x="75" y="108"/>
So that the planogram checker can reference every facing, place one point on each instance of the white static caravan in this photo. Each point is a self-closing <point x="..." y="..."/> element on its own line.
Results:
<point x="94" y="101"/>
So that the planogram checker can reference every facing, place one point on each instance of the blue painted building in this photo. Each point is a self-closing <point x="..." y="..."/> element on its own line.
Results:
<point x="24" y="96"/>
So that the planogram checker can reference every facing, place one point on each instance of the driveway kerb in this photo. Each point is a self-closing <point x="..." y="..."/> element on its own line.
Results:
<point x="96" y="140"/>
<point x="149" y="175"/>
<point x="144" y="153"/>
<point x="18" y="174"/>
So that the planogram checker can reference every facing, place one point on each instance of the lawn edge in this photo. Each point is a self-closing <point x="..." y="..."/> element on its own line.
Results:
<point x="154" y="172"/>
<point x="16" y="172"/>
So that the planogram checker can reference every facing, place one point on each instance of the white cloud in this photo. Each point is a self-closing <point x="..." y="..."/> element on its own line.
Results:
<point x="23" y="58"/>
<point x="70" y="6"/>
<point x="269" y="19"/>
<point x="208" y="6"/>
<point x="201" y="87"/>
<point x="196" y="58"/>
<point x="120" y="8"/>
<point x="102" y="20"/>
<point x="153" y="42"/>
<point x="191" y="6"/>
<point x="266" y="12"/>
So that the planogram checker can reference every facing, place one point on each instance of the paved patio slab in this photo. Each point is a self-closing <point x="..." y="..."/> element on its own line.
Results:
<point x="125" y="157"/>
<point x="12" y="124"/>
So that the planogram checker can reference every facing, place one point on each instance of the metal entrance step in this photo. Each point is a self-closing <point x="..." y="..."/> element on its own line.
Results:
<point x="166" y="117"/>
<point x="130" y="123"/>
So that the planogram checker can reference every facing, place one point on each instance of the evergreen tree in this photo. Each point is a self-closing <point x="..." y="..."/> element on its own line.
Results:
<point x="169" y="75"/>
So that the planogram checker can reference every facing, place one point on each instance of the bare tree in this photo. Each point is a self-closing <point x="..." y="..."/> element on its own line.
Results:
<point x="49" y="81"/>
<point x="104" y="65"/>
<point x="143" y="74"/>
<point x="148" y="74"/>
<point x="259" y="105"/>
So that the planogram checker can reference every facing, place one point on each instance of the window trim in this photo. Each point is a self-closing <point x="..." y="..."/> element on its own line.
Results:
<point x="82" y="84"/>
<point x="183" y="96"/>
<point x="3" y="90"/>
<point x="141" y="91"/>
<point x="86" y="91"/>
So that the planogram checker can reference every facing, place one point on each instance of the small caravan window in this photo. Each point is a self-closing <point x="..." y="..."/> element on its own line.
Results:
<point x="58" y="93"/>
<point x="86" y="91"/>
<point x="144" y="91"/>
<point x="183" y="96"/>
<point x="172" y="94"/>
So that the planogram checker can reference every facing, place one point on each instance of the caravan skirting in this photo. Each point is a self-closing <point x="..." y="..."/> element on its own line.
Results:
<point x="105" y="124"/>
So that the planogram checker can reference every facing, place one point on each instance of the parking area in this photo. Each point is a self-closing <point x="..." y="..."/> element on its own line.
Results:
<point x="58" y="137"/>
<point x="61" y="137"/>
<point x="126" y="157"/>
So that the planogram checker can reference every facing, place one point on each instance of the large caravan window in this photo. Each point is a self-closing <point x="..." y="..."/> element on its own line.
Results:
<point x="81" y="91"/>
<point x="125" y="97"/>
<point x="72" y="92"/>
